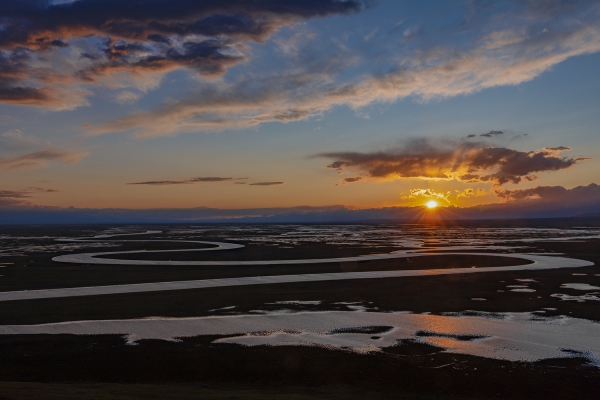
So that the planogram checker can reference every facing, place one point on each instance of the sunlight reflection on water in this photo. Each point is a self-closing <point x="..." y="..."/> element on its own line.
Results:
<point x="509" y="336"/>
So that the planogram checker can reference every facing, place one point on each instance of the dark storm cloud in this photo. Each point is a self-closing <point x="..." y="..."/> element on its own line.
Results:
<point x="468" y="162"/>
<point x="184" y="182"/>
<point x="266" y="183"/>
<point x="147" y="35"/>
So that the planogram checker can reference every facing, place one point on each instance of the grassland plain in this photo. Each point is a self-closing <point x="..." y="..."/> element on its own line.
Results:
<point x="103" y="365"/>
<point x="119" y="391"/>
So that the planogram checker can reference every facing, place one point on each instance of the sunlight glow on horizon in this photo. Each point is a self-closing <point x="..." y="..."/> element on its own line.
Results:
<point x="431" y="204"/>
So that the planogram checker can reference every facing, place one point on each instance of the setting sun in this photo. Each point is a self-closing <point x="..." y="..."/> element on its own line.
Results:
<point x="431" y="204"/>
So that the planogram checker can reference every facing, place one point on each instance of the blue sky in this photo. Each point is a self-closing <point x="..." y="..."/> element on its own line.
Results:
<point x="276" y="91"/>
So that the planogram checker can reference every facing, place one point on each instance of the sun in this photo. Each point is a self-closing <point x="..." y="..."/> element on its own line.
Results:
<point x="431" y="204"/>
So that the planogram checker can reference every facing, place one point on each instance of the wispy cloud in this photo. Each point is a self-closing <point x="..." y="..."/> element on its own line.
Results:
<point x="492" y="133"/>
<point x="183" y="182"/>
<point x="20" y="198"/>
<point x="464" y="161"/>
<point x="266" y="183"/>
<point x="14" y="194"/>
<point x="41" y="159"/>
<point x="127" y="97"/>
<point x="498" y="55"/>
<point x="16" y="140"/>
<point x="206" y="179"/>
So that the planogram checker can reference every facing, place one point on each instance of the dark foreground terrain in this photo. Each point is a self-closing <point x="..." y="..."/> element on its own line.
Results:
<point x="409" y="370"/>
<point x="105" y="367"/>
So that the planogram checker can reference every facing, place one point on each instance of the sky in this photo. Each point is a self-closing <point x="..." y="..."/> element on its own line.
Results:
<point x="262" y="105"/>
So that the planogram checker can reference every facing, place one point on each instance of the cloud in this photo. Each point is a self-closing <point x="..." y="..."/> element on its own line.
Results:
<point x="127" y="97"/>
<point x="499" y="54"/>
<point x="558" y="149"/>
<point x="466" y="162"/>
<point x="39" y="23"/>
<point x="27" y="78"/>
<point x="267" y="183"/>
<point x="553" y="201"/>
<point x="352" y="180"/>
<point x="555" y="194"/>
<point x="53" y="53"/>
<point x="15" y="140"/>
<point x="470" y="192"/>
<point x="184" y="182"/>
<point x="428" y="194"/>
<point x="41" y="159"/>
<point x="14" y="198"/>
<point x="46" y="46"/>
<point x="492" y="133"/>
<point x="12" y="73"/>
<point x="41" y="190"/>
<point x="542" y="201"/>
<point x="7" y="199"/>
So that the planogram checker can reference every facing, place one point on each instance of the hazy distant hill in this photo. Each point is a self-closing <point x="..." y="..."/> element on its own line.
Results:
<point x="594" y="214"/>
<point x="331" y="214"/>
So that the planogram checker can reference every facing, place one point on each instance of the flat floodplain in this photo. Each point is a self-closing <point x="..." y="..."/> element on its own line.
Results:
<point x="457" y="317"/>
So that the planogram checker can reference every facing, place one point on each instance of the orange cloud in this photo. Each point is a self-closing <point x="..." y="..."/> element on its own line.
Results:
<point x="469" y="192"/>
<point x="427" y="194"/>
<point x="466" y="162"/>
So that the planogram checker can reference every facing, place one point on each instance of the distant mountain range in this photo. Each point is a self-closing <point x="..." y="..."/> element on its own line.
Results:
<point x="332" y="214"/>
<point x="593" y="215"/>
